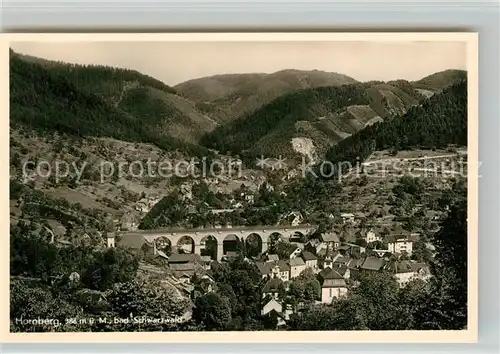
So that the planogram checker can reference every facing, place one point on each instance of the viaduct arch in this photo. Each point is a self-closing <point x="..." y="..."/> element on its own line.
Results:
<point x="220" y="234"/>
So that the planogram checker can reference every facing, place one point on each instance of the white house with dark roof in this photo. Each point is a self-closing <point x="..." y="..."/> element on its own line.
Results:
<point x="373" y="263"/>
<point x="289" y="250"/>
<point x="406" y="271"/>
<point x="333" y="285"/>
<point x="297" y="265"/>
<point x="331" y="238"/>
<point x="400" y="244"/>
<point x="282" y="270"/>
<point x="272" y="288"/>
<point x="310" y="259"/>
<point x="370" y="236"/>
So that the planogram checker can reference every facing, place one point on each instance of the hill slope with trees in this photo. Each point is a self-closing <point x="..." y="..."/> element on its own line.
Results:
<point x="227" y="97"/>
<point x="142" y="101"/>
<point x="438" y="122"/>
<point x="325" y="115"/>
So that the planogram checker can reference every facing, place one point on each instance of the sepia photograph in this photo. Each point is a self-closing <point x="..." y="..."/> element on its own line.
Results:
<point x="266" y="184"/>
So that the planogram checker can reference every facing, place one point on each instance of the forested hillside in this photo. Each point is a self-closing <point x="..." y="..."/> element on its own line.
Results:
<point x="136" y="107"/>
<point x="229" y="96"/>
<point x="325" y="115"/>
<point x="441" y="80"/>
<point x="440" y="121"/>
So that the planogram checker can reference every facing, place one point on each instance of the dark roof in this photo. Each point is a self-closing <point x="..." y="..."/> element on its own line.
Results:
<point x="330" y="278"/>
<point x="284" y="266"/>
<point x="372" y="263"/>
<point x="308" y="256"/>
<point x="286" y="248"/>
<point x="401" y="267"/>
<point x="184" y="258"/>
<point x="181" y="267"/>
<point x="264" y="268"/>
<point x="341" y="269"/>
<point x="355" y="263"/>
<point x="273" y="257"/>
<point x="272" y="285"/>
<point x="329" y="273"/>
<point x="296" y="262"/>
<point x="418" y="266"/>
<point x="333" y="283"/>
<point x="401" y="238"/>
<point x="330" y="237"/>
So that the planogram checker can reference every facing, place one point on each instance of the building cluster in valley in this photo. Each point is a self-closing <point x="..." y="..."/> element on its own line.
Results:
<point x="334" y="262"/>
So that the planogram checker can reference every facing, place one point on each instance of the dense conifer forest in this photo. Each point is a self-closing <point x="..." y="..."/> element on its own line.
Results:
<point x="438" y="122"/>
<point x="58" y="98"/>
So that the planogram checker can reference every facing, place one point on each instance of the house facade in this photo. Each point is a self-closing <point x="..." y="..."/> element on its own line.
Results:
<point x="331" y="239"/>
<point x="297" y="265"/>
<point x="371" y="236"/>
<point x="333" y="285"/>
<point x="310" y="260"/>
<point x="110" y="239"/>
<point x="281" y="270"/>
<point x="400" y="245"/>
<point x="406" y="271"/>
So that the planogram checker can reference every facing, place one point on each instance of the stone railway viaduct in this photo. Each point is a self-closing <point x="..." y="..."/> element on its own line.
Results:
<point x="198" y="237"/>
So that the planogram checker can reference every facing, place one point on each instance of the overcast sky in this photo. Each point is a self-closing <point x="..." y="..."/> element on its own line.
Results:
<point x="175" y="62"/>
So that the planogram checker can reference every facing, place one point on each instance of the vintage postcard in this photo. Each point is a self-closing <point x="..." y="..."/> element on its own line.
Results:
<point x="298" y="187"/>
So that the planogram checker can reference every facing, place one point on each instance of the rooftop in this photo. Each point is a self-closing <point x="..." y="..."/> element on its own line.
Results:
<point x="183" y="258"/>
<point x="296" y="262"/>
<point x="330" y="237"/>
<point x="308" y="256"/>
<point x="372" y="263"/>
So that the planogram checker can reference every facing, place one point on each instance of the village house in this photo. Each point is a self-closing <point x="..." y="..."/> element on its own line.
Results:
<point x="271" y="307"/>
<point x="333" y="285"/>
<point x="185" y="265"/>
<point x="265" y="269"/>
<point x="110" y="239"/>
<point x="128" y="223"/>
<point x="373" y="263"/>
<point x="342" y="270"/>
<point x="273" y="287"/>
<point x="406" y="271"/>
<point x="310" y="259"/>
<point x="269" y="270"/>
<point x="297" y="265"/>
<point x="352" y="247"/>
<point x="272" y="258"/>
<point x="331" y="239"/>
<point x="287" y="250"/>
<point x="270" y="304"/>
<point x="370" y="236"/>
<point x="347" y="217"/>
<point x="281" y="270"/>
<point x="353" y="264"/>
<point x="294" y="218"/>
<point x="403" y="272"/>
<point x="401" y="244"/>
<point x="327" y="254"/>
<point x="315" y="246"/>
<point x="203" y="286"/>
<point x="207" y="262"/>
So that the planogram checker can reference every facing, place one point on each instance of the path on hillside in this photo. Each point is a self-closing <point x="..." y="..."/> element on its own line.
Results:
<point x="126" y="87"/>
<point x="407" y="159"/>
